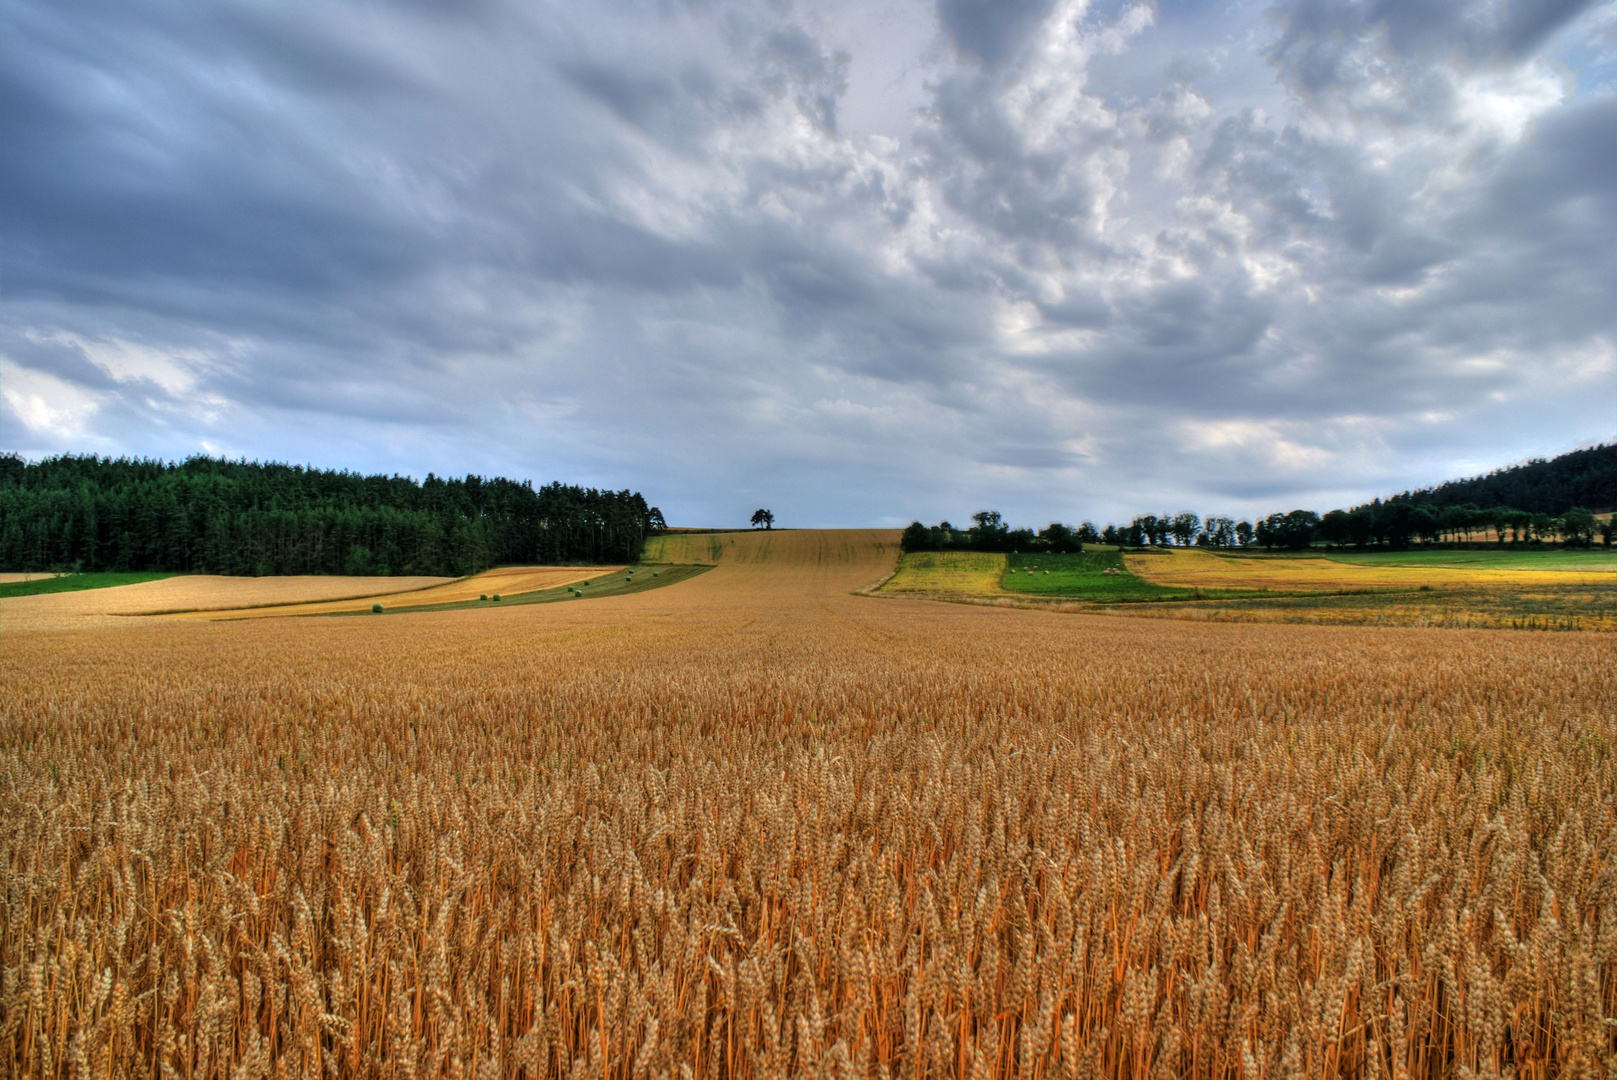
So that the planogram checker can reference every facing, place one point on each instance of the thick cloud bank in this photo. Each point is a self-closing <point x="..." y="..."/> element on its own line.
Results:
<point x="857" y="262"/>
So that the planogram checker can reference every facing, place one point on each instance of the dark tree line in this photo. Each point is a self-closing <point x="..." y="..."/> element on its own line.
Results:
<point x="1397" y="523"/>
<point x="1182" y="529"/>
<point x="236" y="517"/>
<point x="1536" y="503"/>
<point x="1393" y="524"/>
<point x="1541" y="486"/>
<point x="989" y="532"/>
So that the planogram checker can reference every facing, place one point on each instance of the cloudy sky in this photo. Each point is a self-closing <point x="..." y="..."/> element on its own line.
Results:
<point x="858" y="262"/>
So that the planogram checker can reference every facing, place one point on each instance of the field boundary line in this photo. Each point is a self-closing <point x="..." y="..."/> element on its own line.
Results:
<point x="525" y="599"/>
<point x="1219" y="611"/>
<point x="291" y="603"/>
<point x="356" y="596"/>
<point x="870" y="590"/>
<point x="1036" y="600"/>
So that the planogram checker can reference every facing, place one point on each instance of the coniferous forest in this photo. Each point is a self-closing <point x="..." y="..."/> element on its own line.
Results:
<point x="214" y="516"/>
<point x="1586" y="477"/>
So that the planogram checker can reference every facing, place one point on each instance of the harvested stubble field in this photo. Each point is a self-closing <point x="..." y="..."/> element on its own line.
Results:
<point x="1592" y="559"/>
<point x="189" y="592"/>
<point x="753" y="825"/>
<point x="506" y="580"/>
<point x="1544" y="590"/>
<point x="1555" y="590"/>
<point x="1193" y="568"/>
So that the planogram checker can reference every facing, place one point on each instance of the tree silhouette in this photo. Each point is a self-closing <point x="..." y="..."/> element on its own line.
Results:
<point x="763" y="518"/>
<point x="1184" y="528"/>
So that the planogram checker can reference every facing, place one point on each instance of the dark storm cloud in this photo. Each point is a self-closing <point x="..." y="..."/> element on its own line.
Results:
<point x="136" y="169"/>
<point x="1319" y="44"/>
<point x="1558" y="185"/>
<point x="992" y="30"/>
<point x="656" y="103"/>
<point x="1099" y="255"/>
<point x="1080" y="310"/>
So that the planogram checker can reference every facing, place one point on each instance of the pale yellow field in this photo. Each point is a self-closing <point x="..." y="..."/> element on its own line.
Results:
<point x="1191" y="567"/>
<point x="957" y="573"/>
<point x="188" y="593"/>
<point x="507" y="581"/>
<point x="9" y="578"/>
<point x="752" y="825"/>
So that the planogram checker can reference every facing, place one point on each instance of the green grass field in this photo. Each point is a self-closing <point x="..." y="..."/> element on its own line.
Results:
<point x="1084" y="577"/>
<point x="1586" y="559"/>
<point x="76" y="583"/>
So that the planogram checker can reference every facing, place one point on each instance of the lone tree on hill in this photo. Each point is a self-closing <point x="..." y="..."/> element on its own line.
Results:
<point x="763" y="518"/>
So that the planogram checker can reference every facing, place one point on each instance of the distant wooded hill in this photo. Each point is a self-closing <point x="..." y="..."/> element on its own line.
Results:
<point x="1540" y="501"/>
<point x="237" y="517"/>
<point x="1586" y="478"/>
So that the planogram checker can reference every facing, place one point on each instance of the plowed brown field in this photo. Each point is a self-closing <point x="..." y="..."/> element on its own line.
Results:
<point x="753" y="825"/>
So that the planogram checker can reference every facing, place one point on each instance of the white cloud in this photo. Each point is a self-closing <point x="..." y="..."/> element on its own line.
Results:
<point x="174" y="371"/>
<point x="46" y="405"/>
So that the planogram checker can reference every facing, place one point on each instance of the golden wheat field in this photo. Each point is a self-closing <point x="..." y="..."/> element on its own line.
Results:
<point x="752" y="825"/>
<point x="1190" y="567"/>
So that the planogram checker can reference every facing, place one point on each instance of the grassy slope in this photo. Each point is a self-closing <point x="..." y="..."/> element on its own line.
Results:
<point x="686" y="547"/>
<point x="76" y="583"/>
